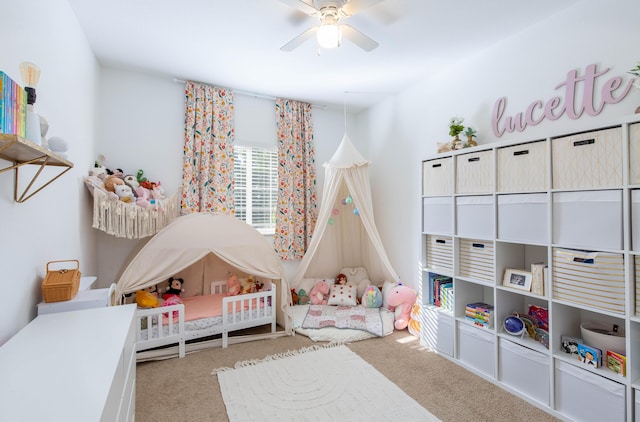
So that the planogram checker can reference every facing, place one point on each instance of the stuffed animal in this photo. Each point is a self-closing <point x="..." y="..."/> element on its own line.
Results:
<point x="414" y="323"/>
<point x="131" y="180"/>
<point x="233" y="285"/>
<point x="403" y="298"/>
<point x="341" y="279"/>
<point x="148" y="297"/>
<point x="303" y="297"/>
<point x="125" y="194"/>
<point x="294" y="297"/>
<point x="371" y="298"/>
<point x="158" y="191"/>
<point x="319" y="293"/>
<point x="174" y="288"/>
<point x="99" y="171"/>
<point x="247" y="285"/>
<point x="111" y="182"/>
<point x="144" y="197"/>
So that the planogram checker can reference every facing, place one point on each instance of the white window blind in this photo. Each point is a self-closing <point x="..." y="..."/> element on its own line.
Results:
<point x="256" y="186"/>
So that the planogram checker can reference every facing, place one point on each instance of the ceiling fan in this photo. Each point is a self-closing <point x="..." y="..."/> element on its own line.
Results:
<point x="328" y="33"/>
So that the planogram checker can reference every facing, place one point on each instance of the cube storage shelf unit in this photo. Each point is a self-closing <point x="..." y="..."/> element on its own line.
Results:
<point x="571" y="202"/>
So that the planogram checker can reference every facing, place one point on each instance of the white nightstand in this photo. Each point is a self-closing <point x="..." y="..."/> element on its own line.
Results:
<point x="86" y="298"/>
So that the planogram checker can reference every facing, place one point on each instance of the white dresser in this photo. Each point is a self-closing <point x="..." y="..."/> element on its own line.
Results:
<point x="71" y="366"/>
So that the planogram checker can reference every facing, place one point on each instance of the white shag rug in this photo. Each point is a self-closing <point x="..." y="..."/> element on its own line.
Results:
<point x="319" y="383"/>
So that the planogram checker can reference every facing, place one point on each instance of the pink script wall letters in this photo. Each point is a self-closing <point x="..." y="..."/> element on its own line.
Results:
<point x="537" y="111"/>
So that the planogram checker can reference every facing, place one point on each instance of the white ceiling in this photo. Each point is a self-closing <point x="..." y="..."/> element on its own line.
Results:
<point x="236" y="43"/>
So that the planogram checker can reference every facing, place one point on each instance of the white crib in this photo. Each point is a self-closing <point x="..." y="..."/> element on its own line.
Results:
<point x="238" y="312"/>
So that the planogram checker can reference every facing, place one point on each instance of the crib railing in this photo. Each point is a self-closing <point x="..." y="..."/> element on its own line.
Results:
<point x="151" y="322"/>
<point x="248" y="310"/>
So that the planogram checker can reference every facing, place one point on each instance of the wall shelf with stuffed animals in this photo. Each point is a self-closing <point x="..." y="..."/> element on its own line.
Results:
<point x="22" y="152"/>
<point x="127" y="205"/>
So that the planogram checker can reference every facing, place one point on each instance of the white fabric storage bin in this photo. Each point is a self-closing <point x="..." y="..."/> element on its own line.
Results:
<point x="437" y="177"/>
<point x="584" y="396"/>
<point x="635" y="220"/>
<point x="440" y="253"/>
<point x="437" y="215"/>
<point x="593" y="279"/>
<point x="476" y="348"/>
<point x="476" y="259"/>
<point x="523" y="168"/>
<point x="474" y="172"/>
<point x="634" y="154"/>
<point x="636" y="394"/>
<point x="587" y="220"/>
<point x="474" y="216"/>
<point x="588" y="160"/>
<point x="523" y="218"/>
<point x="525" y="370"/>
<point x="436" y="330"/>
<point x="637" y="284"/>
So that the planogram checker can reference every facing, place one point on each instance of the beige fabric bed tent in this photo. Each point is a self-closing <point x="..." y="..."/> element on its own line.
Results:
<point x="345" y="234"/>
<point x="204" y="247"/>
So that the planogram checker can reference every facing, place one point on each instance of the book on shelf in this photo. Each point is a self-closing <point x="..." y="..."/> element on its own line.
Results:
<point x="589" y="355"/>
<point x="570" y="344"/>
<point x="447" y="296"/>
<point x="617" y="362"/>
<point x="13" y="106"/>
<point x="480" y="314"/>
<point x="538" y="278"/>
<point x="435" y="282"/>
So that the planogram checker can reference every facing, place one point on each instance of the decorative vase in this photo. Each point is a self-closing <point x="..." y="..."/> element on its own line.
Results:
<point x="471" y="142"/>
<point x="456" y="143"/>
<point x="33" y="126"/>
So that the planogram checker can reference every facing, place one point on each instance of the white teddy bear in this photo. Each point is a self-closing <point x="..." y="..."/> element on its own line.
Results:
<point x="125" y="193"/>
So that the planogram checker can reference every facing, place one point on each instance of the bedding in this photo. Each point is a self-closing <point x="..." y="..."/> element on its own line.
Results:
<point x="354" y="317"/>
<point x="209" y="306"/>
<point x="342" y="335"/>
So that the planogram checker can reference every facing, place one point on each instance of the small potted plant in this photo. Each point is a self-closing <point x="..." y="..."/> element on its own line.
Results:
<point x="470" y="133"/>
<point x="455" y="127"/>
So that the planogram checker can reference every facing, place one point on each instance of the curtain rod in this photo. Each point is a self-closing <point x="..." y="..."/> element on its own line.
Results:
<point x="248" y="94"/>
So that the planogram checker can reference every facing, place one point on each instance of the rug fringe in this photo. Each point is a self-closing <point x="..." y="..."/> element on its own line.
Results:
<point x="277" y="356"/>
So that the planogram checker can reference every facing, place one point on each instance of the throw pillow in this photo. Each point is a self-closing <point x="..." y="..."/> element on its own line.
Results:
<point x="355" y="274"/>
<point x="343" y="294"/>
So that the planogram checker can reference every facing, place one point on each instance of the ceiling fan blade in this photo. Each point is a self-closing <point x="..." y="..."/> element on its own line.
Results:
<point x="358" y="38"/>
<point x="355" y="6"/>
<point x="297" y="41"/>
<point x="302" y="6"/>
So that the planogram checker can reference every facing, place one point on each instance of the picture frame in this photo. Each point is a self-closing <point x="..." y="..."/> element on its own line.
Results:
<point x="517" y="279"/>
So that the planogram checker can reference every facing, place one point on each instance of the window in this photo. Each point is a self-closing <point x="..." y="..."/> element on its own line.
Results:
<point x="256" y="186"/>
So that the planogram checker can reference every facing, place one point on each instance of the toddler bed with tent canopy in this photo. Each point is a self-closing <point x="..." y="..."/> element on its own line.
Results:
<point x="202" y="249"/>
<point x="345" y="241"/>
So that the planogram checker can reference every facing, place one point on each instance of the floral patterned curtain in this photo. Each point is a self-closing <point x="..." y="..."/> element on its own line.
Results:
<point x="297" y="209"/>
<point x="207" y="174"/>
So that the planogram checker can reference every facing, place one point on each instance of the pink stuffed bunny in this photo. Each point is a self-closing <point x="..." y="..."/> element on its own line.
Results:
<point x="403" y="298"/>
<point x="319" y="293"/>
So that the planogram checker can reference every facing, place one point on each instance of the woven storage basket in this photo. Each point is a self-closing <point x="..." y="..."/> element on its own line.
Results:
<point x="62" y="284"/>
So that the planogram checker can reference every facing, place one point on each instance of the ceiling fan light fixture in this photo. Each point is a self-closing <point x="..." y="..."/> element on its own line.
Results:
<point x="328" y="35"/>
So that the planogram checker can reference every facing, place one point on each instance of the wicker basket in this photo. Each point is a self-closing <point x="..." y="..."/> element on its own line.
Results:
<point x="62" y="284"/>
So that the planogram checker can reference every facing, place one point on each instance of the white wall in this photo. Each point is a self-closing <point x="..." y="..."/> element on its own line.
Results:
<point x="403" y="130"/>
<point x="141" y="126"/>
<point x="54" y="224"/>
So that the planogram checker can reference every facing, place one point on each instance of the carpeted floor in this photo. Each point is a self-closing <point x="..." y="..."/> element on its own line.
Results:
<point x="184" y="389"/>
